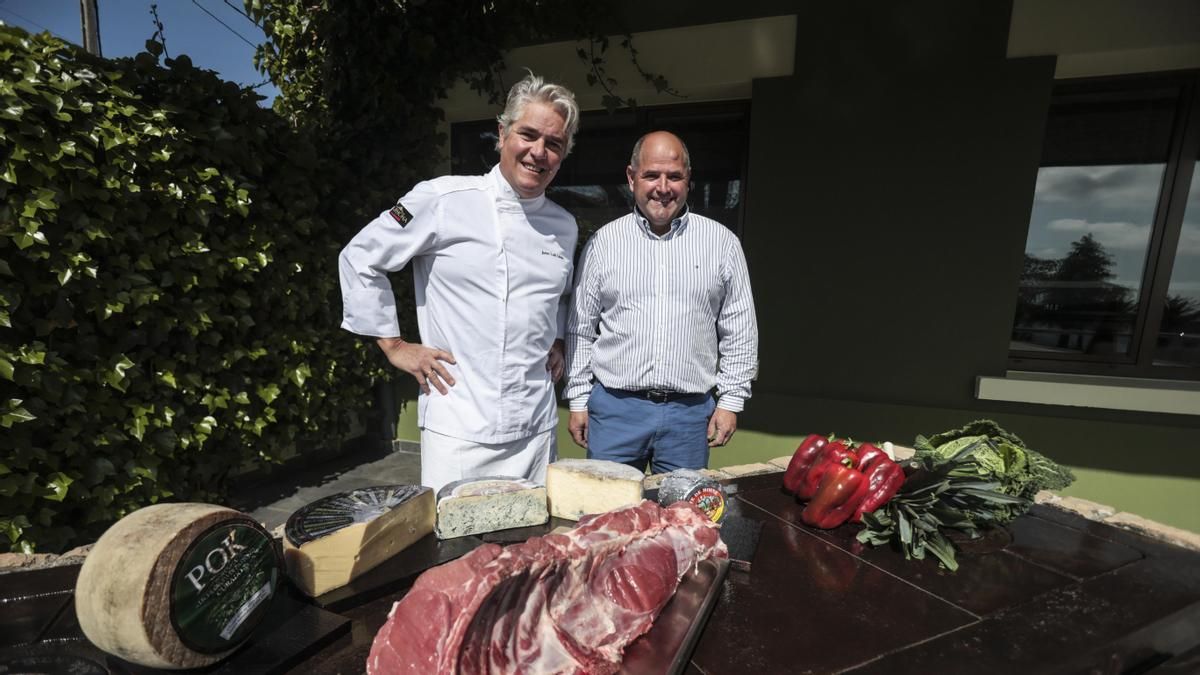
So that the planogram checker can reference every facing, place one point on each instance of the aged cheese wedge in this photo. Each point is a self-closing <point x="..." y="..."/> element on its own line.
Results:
<point x="333" y="540"/>
<point x="478" y="505"/>
<point x="576" y="487"/>
<point x="177" y="585"/>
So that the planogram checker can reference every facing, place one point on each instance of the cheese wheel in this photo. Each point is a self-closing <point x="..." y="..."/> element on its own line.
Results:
<point x="689" y="485"/>
<point x="488" y="504"/>
<point x="332" y="541"/>
<point x="577" y="487"/>
<point x="177" y="585"/>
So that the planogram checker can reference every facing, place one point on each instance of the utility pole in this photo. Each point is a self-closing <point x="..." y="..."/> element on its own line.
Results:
<point x="89" y="16"/>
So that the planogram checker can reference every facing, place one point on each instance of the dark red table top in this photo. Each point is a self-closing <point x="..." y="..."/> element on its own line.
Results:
<point x="1052" y="592"/>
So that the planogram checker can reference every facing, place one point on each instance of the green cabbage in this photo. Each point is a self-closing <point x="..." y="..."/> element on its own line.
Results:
<point x="1000" y="457"/>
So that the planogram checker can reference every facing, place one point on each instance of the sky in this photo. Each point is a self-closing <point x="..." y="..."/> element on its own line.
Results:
<point x="125" y="25"/>
<point x="1115" y="204"/>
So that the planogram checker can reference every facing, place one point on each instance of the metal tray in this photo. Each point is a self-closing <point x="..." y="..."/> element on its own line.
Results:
<point x="668" y="646"/>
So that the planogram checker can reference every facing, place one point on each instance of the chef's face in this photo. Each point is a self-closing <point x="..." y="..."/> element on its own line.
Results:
<point x="660" y="181"/>
<point x="532" y="149"/>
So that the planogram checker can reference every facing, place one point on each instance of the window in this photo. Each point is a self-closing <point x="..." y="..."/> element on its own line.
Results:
<point x="591" y="183"/>
<point x="1111" y="279"/>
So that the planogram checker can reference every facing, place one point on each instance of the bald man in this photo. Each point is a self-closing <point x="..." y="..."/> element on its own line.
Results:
<point x="662" y="340"/>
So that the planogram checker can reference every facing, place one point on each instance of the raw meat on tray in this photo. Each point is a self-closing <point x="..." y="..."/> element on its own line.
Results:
<point x="562" y="603"/>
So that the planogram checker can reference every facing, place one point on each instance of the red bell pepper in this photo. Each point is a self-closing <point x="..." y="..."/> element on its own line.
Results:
<point x="868" y="454"/>
<point x="884" y="478"/>
<point x="802" y="460"/>
<point x="834" y="454"/>
<point x="841" y="491"/>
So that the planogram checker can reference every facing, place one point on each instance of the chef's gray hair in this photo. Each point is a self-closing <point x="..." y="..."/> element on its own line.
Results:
<point x="534" y="88"/>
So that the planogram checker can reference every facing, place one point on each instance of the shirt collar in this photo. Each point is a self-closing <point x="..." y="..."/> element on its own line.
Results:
<point x="505" y="192"/>
<point x="677" y="224"/>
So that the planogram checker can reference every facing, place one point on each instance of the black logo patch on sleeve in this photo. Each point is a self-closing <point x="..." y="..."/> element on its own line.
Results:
<point x="400" y="214"/>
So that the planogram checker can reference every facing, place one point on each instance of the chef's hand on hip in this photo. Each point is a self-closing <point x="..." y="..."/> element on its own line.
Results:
<point x="556" y="363"/>
<point x="578" y="426"/>
<point x="423" y="363"/>
<point x="721" y="426"/>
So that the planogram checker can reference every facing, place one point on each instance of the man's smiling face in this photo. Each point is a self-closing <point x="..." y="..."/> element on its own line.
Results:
<point x="533" y="149"/>
<point x="660" y="180"/>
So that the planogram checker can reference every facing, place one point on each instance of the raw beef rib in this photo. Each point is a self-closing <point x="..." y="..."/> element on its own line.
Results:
<point x="562" y="603"/>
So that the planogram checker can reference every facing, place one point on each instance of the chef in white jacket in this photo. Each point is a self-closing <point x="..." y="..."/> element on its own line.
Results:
<point x="492" y="262"/>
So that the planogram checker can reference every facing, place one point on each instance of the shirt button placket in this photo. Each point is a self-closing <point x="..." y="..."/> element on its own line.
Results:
<point x="660" y="283"/>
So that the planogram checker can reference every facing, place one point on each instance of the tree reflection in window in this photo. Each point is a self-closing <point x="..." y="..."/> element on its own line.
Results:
<point x="1111" y="276"/>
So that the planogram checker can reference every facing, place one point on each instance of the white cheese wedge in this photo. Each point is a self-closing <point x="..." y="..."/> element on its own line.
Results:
<point x="177" y="585"/>
<point x="577" y="487"/>
<point x="334" y="540"/>
<point x="479" y="505"/>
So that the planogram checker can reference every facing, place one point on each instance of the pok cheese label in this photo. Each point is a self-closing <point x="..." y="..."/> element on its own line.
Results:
<point x="223" y="585"/>
<point x="710" y="499"/>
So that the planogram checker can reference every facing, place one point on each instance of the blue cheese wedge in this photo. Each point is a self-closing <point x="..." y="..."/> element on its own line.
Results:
<point x="577" y="487"/>
<point x="488" y="504"/>
<point x="334" y="540"/>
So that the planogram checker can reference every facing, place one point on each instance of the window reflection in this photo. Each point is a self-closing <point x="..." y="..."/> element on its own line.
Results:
<point x="1178" y="341"/>
<point x="1088" y="251"/>
<point x="1085" y="257"/>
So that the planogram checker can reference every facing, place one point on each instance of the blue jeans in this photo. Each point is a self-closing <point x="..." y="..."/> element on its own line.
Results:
<point x="625" y="428"/>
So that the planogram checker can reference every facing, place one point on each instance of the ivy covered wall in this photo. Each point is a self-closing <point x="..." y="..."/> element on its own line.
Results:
<point x="169" y="306"/>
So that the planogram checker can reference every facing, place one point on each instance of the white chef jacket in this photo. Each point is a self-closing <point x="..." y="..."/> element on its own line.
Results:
<point x="492" y="274"/>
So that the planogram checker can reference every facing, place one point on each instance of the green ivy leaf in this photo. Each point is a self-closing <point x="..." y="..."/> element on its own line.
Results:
<point x="58" y="484"/>
<point x="267" y="392"/>
<point x="115" y="375"/>
<point x="137" y="427"/>
<point x="15" y="414"/>
<point x="13" y="527"/>
<point x="300" y="374"/>
<point x="206" y="425"/>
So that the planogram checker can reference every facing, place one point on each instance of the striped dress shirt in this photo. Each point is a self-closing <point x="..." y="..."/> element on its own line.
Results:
<point x="673" y="312"/>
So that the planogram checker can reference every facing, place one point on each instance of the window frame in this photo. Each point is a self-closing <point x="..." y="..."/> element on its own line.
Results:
<point x="1166" y="229"/>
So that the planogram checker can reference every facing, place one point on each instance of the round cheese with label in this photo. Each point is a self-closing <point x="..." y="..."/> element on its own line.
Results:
<point x="177" y="585"/>
<point x="689" y="485"/>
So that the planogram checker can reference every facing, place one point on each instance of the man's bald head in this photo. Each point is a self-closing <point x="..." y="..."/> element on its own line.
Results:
<point x="660" y="137"/>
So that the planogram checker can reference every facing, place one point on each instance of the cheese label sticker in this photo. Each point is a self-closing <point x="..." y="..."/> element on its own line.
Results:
<point x="710" y="500"/>
<point x="400" y="214"/>
<point x="222" y="586"/>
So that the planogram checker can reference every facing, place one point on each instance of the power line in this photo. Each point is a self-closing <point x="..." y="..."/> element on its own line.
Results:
<point x="26" y="19"/>
<point x="227" y="27"/>
<point x="235" y="8"/>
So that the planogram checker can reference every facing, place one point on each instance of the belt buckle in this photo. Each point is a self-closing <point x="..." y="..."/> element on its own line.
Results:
<point x="658" y="395"/>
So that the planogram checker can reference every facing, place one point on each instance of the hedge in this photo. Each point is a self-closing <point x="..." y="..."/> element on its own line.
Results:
<point x="168" y="290"/>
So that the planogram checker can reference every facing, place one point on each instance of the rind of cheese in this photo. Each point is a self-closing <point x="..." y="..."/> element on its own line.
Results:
<point x="123" y="594"/>
<point x="479" y="505"/>
<point x="577" y="487"/>
<point x="336" y="558"/>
